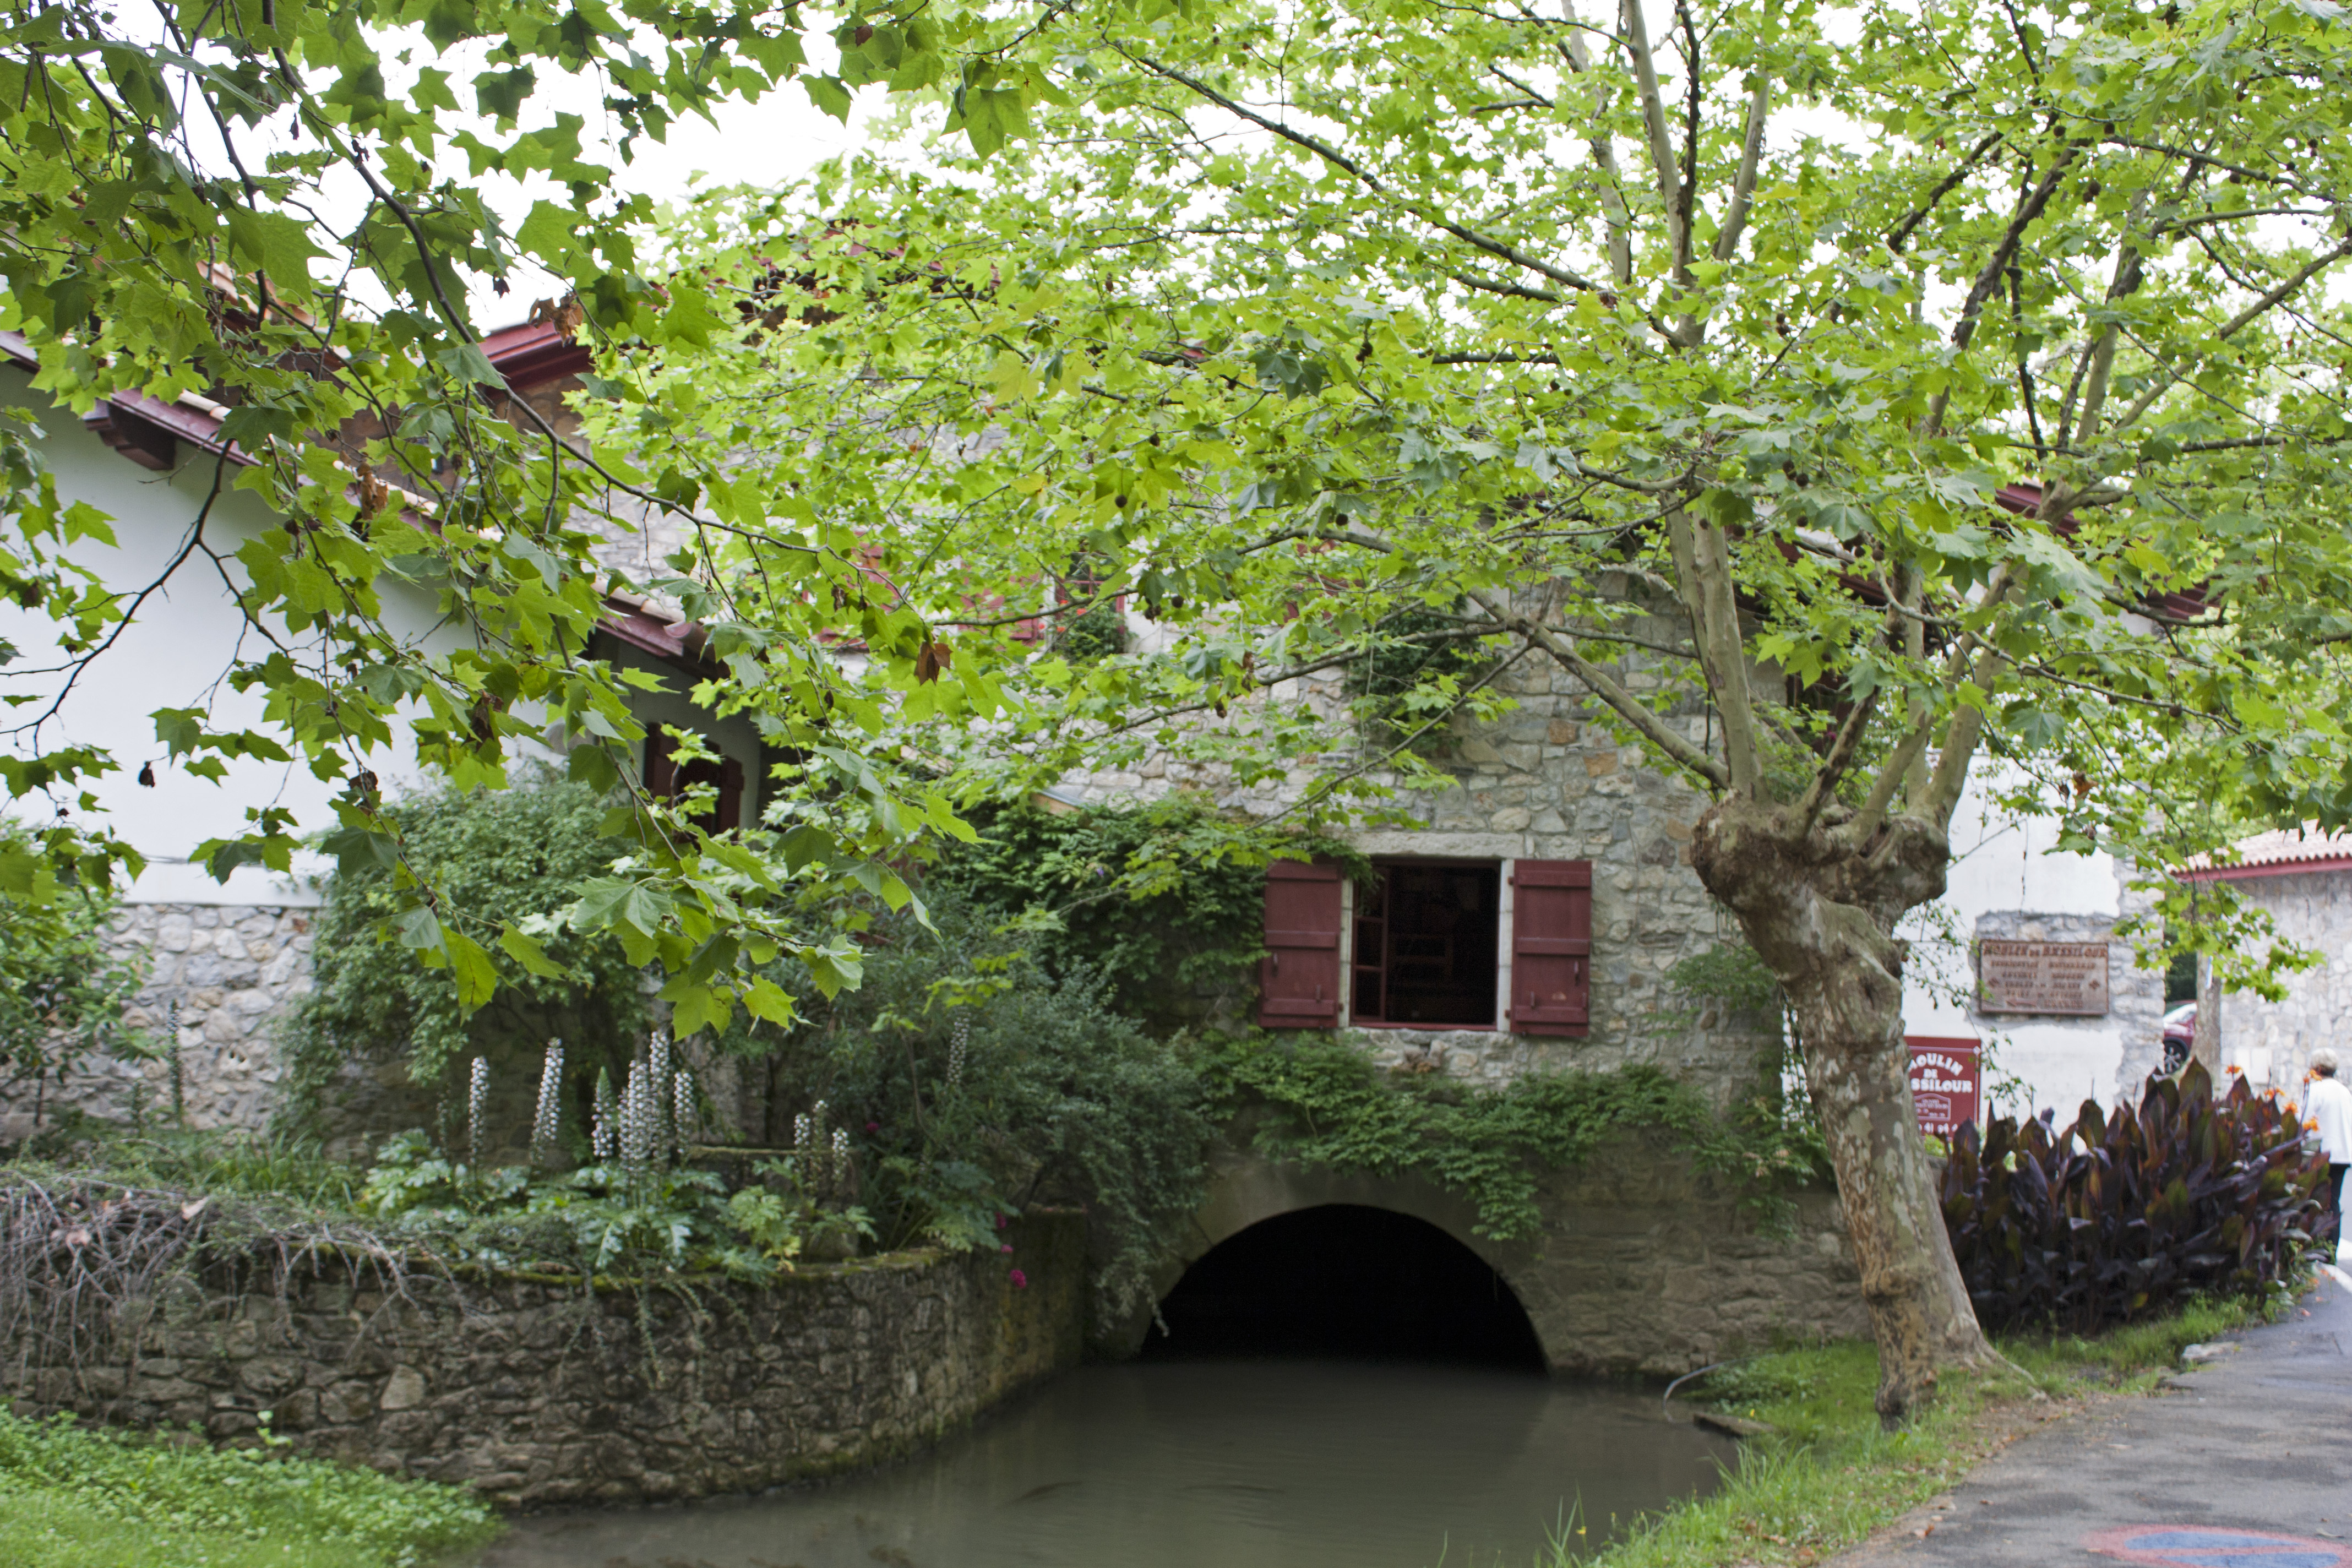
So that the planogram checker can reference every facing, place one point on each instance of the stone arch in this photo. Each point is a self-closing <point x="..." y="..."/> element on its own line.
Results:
<point x="1245" y="1189"/>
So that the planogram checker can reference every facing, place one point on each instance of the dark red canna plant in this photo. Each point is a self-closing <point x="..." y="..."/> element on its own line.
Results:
<point x="2119" y="1216"/>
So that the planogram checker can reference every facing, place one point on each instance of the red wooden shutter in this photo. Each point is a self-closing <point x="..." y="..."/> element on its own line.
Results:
<point x="1551" y="947"/>
<point x="730" y="795"/>
<point x="660" y="772"/>
<point x="1299" y="979"/>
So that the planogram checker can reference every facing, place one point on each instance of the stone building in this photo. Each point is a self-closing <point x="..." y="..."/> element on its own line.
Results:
<point x="1524" y="919"/>
<point x="2304" y="878"/>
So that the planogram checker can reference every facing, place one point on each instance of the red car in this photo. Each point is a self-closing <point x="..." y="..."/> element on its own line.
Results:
<point x="2180" y="1033"/>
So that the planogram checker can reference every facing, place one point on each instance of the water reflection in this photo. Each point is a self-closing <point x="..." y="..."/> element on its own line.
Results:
<point x="1273" y="1464"/>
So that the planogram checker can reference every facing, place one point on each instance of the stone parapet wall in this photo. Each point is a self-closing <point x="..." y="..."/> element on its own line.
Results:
<point x="232" y="969"/>
<point x="1648" y="1265"/>
<point x="539" y="1395"/>
<point x="1644" y="1265"/>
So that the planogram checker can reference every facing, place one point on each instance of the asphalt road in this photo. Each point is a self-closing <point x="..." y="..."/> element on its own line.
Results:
<point x="2246" y="1462"/>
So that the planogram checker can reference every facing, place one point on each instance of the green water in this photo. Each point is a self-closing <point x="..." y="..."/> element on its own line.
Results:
<point x="1275" y="1464"/>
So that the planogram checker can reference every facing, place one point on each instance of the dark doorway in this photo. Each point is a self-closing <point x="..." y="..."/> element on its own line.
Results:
<point x="1343" y="1279"/>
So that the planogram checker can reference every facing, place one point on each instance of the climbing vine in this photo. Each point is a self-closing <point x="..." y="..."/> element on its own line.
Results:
<point x="519" y="855"/>
<point x="1331" y="1106"/>
<point x="1163" y="902"/>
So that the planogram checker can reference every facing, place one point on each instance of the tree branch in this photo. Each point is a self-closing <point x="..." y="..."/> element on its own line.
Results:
<point x="2238" y="323"/>
<point x="1901" y="234"/>
<point x="1508" y="290"/>
<point x="1653" y="122"/>
<point x="1743" y="186"/>
<point x="1372" y="181"/>
<point x="1840" y="755"/>
<point x="1596" y="681"/>
<point x="1614" y="210"/>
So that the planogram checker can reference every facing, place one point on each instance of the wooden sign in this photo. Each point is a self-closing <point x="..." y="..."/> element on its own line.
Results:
<point x="1946" y="1083"/>
<point x="2069" y="978"/>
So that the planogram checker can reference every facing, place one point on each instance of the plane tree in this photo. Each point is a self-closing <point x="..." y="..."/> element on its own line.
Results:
<point x="1839" y="396"/>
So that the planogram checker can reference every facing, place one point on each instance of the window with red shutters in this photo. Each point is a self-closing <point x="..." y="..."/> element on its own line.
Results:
<point x="1299" y="979"/>
<point x="1551" y="947"/>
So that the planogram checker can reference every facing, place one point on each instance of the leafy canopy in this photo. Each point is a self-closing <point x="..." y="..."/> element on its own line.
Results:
<point x="1902" y="384"/>
<point x="1657" y="347"/>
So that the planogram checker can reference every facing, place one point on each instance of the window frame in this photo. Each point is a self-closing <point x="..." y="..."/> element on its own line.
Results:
<point x="1501" y="867"/>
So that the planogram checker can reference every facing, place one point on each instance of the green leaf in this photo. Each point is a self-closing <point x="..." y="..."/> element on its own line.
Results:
<point x="500" y="94"/>
<point x="829" y="94"/>
<point x="476" y="977"/>
<point x="764" y="999"/>
<point x="526" y="951"/>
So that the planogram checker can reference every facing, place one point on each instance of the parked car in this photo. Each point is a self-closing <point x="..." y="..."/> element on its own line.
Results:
<point x="2180" y="1033"/>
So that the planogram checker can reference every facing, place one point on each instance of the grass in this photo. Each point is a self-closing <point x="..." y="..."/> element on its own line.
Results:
<point x="1829" y="1475"/>
<point x="74" y="1498"/>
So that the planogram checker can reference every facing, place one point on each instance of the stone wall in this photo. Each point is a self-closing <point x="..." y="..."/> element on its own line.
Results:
<point x="2272" y="1042"/>
<point x="232" y="969"/>
<point x="536" y="1395"/>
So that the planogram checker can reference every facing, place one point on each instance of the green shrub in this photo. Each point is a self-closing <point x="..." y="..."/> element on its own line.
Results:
<point x="273" y="1165"/>
<point x="970" y="1083"/>
<point x="503" y="856"/>
<point x="70" y="1496"/>
<point x="2123" y="1216"/>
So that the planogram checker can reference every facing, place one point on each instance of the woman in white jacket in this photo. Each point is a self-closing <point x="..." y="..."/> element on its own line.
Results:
<point x="2329" y="1106"/>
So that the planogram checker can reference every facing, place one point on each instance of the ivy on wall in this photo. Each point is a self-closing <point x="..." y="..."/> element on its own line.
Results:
<point x="62" y="989"/>
<point x="1164" y="902"/>
<point x="1331" y="1106"/>
<point x="1403" y="685"/>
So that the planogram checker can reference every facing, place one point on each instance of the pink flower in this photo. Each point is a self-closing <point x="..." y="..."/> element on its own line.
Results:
<point x="874" y="1127"/>
<point x="1000" y="1222"/>
<point x="1019" y="1280"/>
<point x="1006" y="1247"/>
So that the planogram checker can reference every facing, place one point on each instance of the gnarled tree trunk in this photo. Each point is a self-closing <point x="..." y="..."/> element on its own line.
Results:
<point x="1821" y="913"/>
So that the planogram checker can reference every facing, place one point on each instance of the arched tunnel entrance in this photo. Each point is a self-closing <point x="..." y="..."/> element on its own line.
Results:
<point x="1345" y="1281"/>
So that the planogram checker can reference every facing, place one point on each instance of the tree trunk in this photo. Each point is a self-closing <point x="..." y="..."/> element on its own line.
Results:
<point x="1821" y="915"/>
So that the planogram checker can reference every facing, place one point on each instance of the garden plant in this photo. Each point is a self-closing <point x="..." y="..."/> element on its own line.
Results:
<point x="2127" y="1213"/>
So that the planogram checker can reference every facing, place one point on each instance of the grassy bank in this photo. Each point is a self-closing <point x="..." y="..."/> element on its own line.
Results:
<point x="71" y="1498"/>
<point x="1827" y="1476"/>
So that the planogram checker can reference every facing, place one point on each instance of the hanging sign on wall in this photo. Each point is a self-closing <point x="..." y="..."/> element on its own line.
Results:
<point x="1946" y="1083"/>
<point x="2067" y="978"/>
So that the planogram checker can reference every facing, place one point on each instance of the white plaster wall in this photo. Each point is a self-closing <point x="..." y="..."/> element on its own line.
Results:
<point x="2009" y="879"/>
<point x="174" y="654"/>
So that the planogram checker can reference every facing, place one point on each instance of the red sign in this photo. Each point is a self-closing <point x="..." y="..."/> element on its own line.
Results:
<point x="1946" y="1083"/>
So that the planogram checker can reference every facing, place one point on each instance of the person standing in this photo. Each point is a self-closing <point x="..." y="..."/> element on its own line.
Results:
<point x="2329" y="1106"/>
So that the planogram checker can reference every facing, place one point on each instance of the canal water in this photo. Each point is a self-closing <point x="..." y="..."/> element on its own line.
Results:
<point x="1273" y="1463"/>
